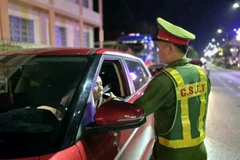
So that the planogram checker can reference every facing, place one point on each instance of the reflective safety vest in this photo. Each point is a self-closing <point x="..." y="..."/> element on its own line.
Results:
<point x="188" y="128"/>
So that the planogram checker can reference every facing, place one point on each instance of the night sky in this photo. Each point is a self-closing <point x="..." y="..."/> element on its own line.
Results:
<point x="202" y="17"/>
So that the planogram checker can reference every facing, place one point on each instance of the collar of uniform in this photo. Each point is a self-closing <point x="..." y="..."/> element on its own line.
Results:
<point x="179" y="62"/>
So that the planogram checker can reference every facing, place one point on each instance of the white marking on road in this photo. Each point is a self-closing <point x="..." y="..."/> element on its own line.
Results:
<point x="230" y="81"/>
<point x="239" y="87"/>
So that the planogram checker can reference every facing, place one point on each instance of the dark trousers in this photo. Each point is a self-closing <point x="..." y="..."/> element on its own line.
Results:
<point x="192" y="153"/>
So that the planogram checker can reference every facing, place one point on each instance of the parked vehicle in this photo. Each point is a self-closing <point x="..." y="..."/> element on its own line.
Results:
<point x="34" y="80"/>
<point x="139" y="45"/>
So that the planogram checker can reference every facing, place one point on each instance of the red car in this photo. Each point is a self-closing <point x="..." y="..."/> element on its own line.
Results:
<point x="47" y="109"/>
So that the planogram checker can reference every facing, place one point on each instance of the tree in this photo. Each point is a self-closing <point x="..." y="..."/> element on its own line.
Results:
<point x="192" y="53"/>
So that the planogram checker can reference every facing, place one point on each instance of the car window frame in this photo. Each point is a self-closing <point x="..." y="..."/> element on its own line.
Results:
<point x="129" y="76"/>
<point x="105" y="57"/>
<point x="68" y="131"/>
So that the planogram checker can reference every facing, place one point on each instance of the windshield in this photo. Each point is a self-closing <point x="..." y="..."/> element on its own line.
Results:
<point x="35" y="93"/>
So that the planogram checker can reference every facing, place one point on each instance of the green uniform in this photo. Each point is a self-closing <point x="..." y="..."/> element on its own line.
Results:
<point x="160" y="98"/>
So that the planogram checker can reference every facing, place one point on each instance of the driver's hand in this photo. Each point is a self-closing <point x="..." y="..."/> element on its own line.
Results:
<point x="111" y="96"/>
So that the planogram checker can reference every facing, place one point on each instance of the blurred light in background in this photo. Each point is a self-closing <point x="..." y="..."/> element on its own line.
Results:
<point x="238" y="34"/>
<point x="235" y="5"/>
<point x="219" y="31"/>
<point x="133" y="75"/>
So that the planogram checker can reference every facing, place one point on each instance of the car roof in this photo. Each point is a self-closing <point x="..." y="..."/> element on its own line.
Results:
<point x="46" y="51"/>
<point x="63" y="51"/>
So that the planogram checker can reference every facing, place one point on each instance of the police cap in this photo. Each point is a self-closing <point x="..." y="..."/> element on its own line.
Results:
<point x="172" y="33"/>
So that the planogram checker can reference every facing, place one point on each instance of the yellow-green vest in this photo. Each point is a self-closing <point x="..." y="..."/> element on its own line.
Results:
<point x="189" y="125"/>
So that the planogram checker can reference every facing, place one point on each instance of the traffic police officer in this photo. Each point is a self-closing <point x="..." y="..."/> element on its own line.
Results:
<point x="178" y="97"/>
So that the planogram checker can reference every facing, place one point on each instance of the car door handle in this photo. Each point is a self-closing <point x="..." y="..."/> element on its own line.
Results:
<point x="115" y="142"/>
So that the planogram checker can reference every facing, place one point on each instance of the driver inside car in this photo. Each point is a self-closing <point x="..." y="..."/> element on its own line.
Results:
<point x="98" y="93"/>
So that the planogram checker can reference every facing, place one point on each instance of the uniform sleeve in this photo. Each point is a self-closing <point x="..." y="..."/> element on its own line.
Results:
<point x="157" y="93"/>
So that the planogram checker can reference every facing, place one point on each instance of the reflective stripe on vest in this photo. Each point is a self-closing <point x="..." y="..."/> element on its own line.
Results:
<point x="184" y="92"/>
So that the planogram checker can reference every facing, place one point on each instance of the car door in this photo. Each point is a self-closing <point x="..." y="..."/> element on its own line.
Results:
<point x="104" y="145"/>
<point x="137" y="143"/>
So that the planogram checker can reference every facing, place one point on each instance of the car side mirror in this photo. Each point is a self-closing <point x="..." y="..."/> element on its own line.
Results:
<point x="117" y="115"/>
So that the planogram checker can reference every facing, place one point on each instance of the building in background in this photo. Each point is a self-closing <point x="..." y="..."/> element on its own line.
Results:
<point x="69" y="23"/>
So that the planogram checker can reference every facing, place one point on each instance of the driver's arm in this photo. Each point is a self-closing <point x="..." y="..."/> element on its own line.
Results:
<point x="56" y="112"/>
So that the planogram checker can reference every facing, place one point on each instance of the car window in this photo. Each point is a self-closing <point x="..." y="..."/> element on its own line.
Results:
<point x="114" y="80"/>
<point x="138" y="73"/>
<point x="32" y="99"/>
<point x="113" y="76"/>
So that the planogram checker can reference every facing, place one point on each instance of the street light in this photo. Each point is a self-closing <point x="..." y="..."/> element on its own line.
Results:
<point x="235" y="5"/>
<point x="213" y="40"/>
<point x="226" y="34"/>
<point x="219" y="31"/>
